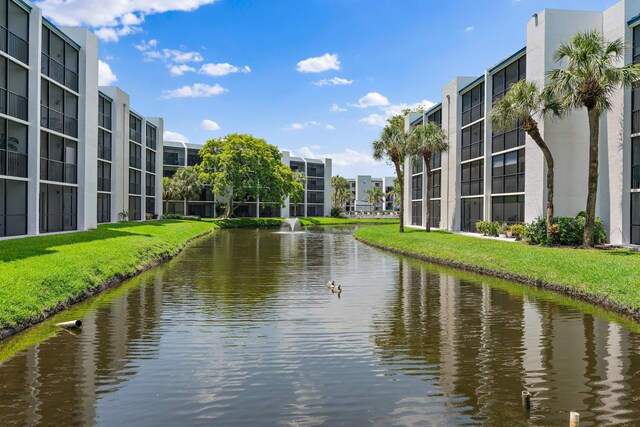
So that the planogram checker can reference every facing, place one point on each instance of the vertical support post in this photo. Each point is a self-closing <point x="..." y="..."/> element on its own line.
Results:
<point x="526" y="400"/>
<point x="574" y="419"/>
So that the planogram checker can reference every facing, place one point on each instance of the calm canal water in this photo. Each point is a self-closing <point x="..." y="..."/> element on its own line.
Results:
<point x="240" y="329"/>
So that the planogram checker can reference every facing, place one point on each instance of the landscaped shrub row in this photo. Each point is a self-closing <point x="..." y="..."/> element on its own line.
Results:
<point x="177" y="216"/>
<point x="565" y="231"/>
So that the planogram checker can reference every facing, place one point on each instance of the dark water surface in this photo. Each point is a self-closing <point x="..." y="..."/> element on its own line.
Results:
<point x="240" y="329"/>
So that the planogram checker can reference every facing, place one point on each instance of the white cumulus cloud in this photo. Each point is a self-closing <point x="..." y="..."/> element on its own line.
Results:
<point x="330" y="127"/>
<point x="336" y="81"/>
<point x="178" y="70"/>
<point x="469" y="29"/>
<point x="106" y="76"/>
<point x="372" y="99"/>
<point x="299" y="126"/>
<point x="198" y="90"/>
<point x="390" y="110"/>
<point x="112" y="19"/>
<point x="348" y="157"/>
<point x="209" y="125"/>
<point x="374" y="119"/>
<point x="174" y="136"/>
<point x="319" y="64"/>
<point x="218" y="70"/>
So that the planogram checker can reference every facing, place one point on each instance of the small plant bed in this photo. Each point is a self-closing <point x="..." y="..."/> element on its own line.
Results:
<point x="608" y="278"/>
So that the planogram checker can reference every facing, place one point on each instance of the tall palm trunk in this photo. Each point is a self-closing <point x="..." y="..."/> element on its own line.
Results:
<point x="427" y="165"/>
<point x="534" y="133"/>
<point x="229" y="212"/>
<point x="590" y="212"/>
<point x="401" y="183"/>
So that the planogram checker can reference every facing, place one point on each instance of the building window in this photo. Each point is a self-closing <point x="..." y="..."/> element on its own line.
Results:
<point x="508" y="173"/>
<point x="471" y="213"/>
<point x="435" y="214"/>
<point x="315" y="184"/>
<point x="416" y="187"/>
<point x="104" y="112"/>
<point x="151" y="136"/>
<point x="151" y="161"/>
<point x="636" y="44"/>
<point x="315" y="170"/>
<point x="316" y="210"/>
<point x="473" y="141"/>
<point x="58" y="208"/>
<point x="193" y="157"/>
<point x="635" y="110"/>
<point x="14" y="31"/>
<point x="58" y="158"/>
<point x="104" y="144"/>
<point x="173" y="156"/>
<point x="104" y="176"/>
<point x="435" y="117"/>
<point x="14" y="89"/>
<point x="512" y="138"/>
<point x="13" y="148"/>
<point x="150" y="183"/>
<point x="104" y="208"/>
<point x="13" y="208"/>
<point x="60" y="60"/>
<point x="135" y="155"/>
<point x="436" y="160"/>
<point x="473" y="105"/>
<point x="150" y="206"/>
<point x="58" y="109"/>
<point x="635" y="218"/>
<point x="135" y="208"/>
<point x="473" y="178"/>
<point x="417" y="166"/>
<point x="416" y="213"/>
<point x="135" y="182"/>
<point x="435" y="184"/>
<point x="135" y="129"/>
<point x="507" y="77"/>
<point x="509" y="209"/>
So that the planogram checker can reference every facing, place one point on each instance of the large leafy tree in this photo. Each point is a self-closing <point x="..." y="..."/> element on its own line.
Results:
<point x="241" y="167"/>
<point x="397" y="121"/>
<point x="588" y="81"/>
<point x="187" y="184"/>
<point x="341" y="191"/>
<point x="392" y="145"/>
<point x="297" y="190"/>
<point x="527" y="103"/>
<point x="375" y="196"/>
<point x="424" y="141"/>
<point x="168" y="191"/>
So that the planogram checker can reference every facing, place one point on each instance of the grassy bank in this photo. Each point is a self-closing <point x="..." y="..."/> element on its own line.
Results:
<point x="42" y="274"/>
<point x="610" y="278"/>
<point x="345" y="221"/>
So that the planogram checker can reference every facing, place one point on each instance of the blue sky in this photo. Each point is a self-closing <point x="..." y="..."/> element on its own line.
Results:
<point x="317" y="77"/>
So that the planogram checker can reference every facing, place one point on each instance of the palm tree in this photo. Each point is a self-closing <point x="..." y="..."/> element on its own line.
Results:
<point x="589" y="79"/>
<point x="187" y="184"/>
<point x="392" y="144"/>
<point x="300" y="180"/>
<point x="424" y="141"/>
<point x="168" y="192"/>
<point x="375" y="196"/>
<point x="341" y="193"/>
<point x="525" y="102"/>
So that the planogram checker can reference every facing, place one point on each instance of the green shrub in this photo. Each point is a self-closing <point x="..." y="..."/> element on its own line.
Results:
<point x="566" y="231"/>
<point x="482" y="227"/>
<point x="336" y="212"/>
<point x="185" y="217"/>
<point x="518" y="231"/>
<point x="493" y="228"/>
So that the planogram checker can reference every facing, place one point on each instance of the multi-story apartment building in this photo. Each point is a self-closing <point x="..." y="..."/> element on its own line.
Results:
<point x="49" y="126"/>
<point x="360" y="187"/>
<point x="501" y="176"/>
<point x="316" y="200"/>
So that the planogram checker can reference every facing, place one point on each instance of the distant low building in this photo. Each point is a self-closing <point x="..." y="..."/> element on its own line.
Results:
<point x="316" y="200"/>
<point x="360" y="186"/>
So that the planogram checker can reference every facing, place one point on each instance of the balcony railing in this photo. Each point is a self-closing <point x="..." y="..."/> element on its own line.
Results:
<point x="135" y="162"/>
<point x="17" y="106"/>
<point x="55" y="170"/>
<point x="51" y="119"/>
<point x="104" y="153"/>
<point x="151" y="143"/>
<point x="104" y="184"/>
<point x="150" y="190"/>
<point x="56" y="71"/>
<point x="104" y="121"/>
<point x="173" y="161"/>
<point x="635" y="122"/>
<point x="135" y="135"/>
<point x="70" y="126"/>
<point x="135" y="188"/>
<point x="70" y="79"/>
<point x="151" y="167"/>
<point x="3" y="100"/>
<point x="16" y="164"/>
<point x="18" y="48"/>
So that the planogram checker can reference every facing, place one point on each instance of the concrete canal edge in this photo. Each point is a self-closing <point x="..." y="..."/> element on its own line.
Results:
<point x="101" y="287"/>
<point x="596" y="300"/>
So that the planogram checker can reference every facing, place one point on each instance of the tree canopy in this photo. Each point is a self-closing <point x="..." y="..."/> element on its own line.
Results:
<point x="397" y="121"/>
<point x="341" y="193"/>
<point x="243" y="167"/>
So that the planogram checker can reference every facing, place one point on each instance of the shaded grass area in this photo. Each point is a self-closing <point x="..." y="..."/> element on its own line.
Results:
<point x="42" y="274"/>
<point x="609" y="276"/>
<point x="340" y="221"/>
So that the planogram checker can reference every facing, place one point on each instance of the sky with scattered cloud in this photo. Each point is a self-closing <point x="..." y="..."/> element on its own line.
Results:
<point x="317" y="77"/>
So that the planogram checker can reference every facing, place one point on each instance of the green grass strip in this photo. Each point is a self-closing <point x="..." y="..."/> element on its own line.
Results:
<point x="610" y="278"/>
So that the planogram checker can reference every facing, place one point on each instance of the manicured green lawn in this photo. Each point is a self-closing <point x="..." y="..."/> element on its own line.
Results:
<point x="614" y="274"/>
<point x="38" y="274"/>
<point x="340" y="221"/>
